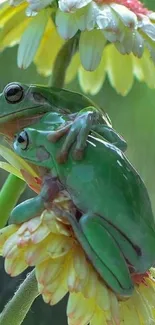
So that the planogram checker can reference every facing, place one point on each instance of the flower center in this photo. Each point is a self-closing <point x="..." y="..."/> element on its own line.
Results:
<point x="134" y="5"/>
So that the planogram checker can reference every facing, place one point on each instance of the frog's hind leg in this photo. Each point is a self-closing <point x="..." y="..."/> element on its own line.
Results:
<point x="110" y="135"/>
<point x="103" y="252"/>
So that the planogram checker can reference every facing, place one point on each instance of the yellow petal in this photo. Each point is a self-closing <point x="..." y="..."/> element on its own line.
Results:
<point x="32" y="225"/>
<point x="16" y="161"/>
<point x="10" y="242"/>
<point x="148" y="69"/>
<point x="90" y="288"/>
<point x="46" y="48"/>
<point x="72" y="69"/>
<point x="80" y="310"/>
<point x="135" y="320"/>
<point x="59" y="246"/>
<point x="141" y="307"/>
<point x="15" y="266"/>
<point x="98" y="318"/>
<point x="91" y="82"/>
<point x="49" y="219"/>
<point x="119" y="70"/>
<point x="40" y="234"/>
<point x="5" y="233"/>
<point x="61" y="289"/>
<point x="24" y="240"/>
<point x="49" y="289"/>
<point x="48" y="270"/>
<point x="10" y="169"/>
<point x="80" y="263"/>
<point x="8" y="12"/>
<point x="36" y="254"/>
<point x="102" y="296"/>
<point x="14" y="35"/>
<point x="148" y="294"/>
<point x="73" y="281"/>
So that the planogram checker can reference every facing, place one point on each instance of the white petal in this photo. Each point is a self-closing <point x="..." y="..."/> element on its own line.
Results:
<point x="128" y="17"/>
<point x="152" y="16"/>
<point x="106" y="18"/>
<point x="85" y="18"/>
<point x="138" y="45"/>
<point x="38" y="4"/>
<point x="149" y="30"/>
<point x="152" y="51"/>
<point x="31" y="39"/>
<point x="91" y="47"/>
<point x="126" y="45"/>
<point x="15" y="2"/>
<point x="72" y="5"/>
<point x="66" y="24"/>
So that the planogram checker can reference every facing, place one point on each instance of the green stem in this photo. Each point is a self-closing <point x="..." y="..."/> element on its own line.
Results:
<point x="17" y="308"/>
<point x="62" y="62"/>
<point x="9" y="195"/>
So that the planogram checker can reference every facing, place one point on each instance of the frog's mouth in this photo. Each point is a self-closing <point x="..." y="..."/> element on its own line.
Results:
<point x="21" y="113"/>
<point x="12" y="125"/>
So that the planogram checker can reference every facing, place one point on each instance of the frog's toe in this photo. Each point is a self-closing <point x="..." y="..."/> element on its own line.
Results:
<point x="78" y="154"/>
<point x="54" y="136"/>
<point x="62" y="157"/>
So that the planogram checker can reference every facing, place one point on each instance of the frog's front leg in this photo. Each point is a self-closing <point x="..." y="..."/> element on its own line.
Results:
<point x="35" y="206"/>
<point x="102" y="251"/>
<point x="78" y="128"/>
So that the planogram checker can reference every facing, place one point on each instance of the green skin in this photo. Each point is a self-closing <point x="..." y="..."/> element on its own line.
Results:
<point x="19" y="102"/>
<point x="116" y="228"/>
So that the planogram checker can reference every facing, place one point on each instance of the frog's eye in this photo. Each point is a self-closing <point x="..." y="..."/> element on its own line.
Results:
<point x="13" y="93"/>
<point x="23" y="140"/>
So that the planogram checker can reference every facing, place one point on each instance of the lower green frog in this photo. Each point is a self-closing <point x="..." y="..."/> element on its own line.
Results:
<point x="116" y="226"/>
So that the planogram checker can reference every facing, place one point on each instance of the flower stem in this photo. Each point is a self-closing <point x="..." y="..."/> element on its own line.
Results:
<point x="17" y="308"/>
<point x="62" y="62"/>
<point x="9" y="195"/>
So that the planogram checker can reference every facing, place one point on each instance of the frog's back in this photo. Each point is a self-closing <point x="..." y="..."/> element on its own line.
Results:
<point x="105" y="183"/>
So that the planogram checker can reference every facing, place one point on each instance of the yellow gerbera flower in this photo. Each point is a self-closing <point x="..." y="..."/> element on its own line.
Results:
<point x="48" y="243"/>
<point x="126" y="24"/>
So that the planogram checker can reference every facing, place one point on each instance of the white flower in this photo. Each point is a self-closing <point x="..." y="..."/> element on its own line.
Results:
<point x="130" y="30"/>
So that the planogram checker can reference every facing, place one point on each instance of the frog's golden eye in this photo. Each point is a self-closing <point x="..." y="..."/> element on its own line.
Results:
<point x="13" y="93"/>
<point x="23" y="140"/>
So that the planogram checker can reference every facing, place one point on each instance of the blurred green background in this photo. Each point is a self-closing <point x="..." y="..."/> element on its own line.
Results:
<point x="133" y="116"/>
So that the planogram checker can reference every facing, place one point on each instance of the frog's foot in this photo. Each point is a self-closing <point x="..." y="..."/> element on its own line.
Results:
<point x="35" y="206"/>
<point x="54" y="136"/>
<point x="76" y="130"/>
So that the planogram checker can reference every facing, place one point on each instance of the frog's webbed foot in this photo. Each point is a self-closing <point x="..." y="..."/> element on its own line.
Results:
<point x="35" y="206"/>
<point x="76" y="130"/>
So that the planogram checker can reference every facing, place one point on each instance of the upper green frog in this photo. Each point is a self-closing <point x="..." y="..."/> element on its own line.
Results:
<point x="21" y="105"/>
<point x="115" y="224"/>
